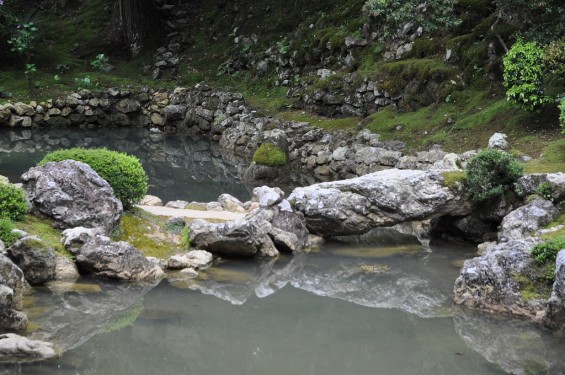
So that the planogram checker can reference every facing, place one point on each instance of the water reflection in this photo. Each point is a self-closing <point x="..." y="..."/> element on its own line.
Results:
<point x="184" y="167"/>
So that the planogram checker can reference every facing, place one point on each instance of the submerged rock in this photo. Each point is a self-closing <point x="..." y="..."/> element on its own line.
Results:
<point x="72" y="194"/>
<point x="35" y="258"/>
<point x="115" y="260"/>
<point x="384" y="198"/>
<point x="15" y="348"/>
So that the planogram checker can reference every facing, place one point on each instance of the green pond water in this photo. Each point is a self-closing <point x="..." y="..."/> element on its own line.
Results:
<point x="383" y="307"/>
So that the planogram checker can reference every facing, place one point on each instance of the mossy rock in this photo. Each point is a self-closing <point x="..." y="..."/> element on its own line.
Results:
<point x="271" y="155"/>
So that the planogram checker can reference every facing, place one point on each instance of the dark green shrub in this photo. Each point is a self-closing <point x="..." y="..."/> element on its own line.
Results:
<point x="271" y="155"/>
<point x="490" y="174"/>
<point x="13" y="202"/>
<point x="123" y="172"/>
<point x="6" y="227"/>
<point x="545" y="255"/>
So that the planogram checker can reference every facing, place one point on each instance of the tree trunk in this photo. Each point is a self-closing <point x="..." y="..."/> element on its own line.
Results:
<point x="139" y="24"/>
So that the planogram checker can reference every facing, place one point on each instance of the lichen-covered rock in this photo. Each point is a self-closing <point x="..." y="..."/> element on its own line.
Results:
<point x="115" y="260"/>
<point x="11" y="294"/>
<point x="531" y="183"/>
<point x="35" y="258"/>
<point x="498" y="142"/>
<point x="230" y="203"/>
<point x="65" y="269"/>
<point x="240" y="238"/>
<point x="151" y="200"/>
<point x="267" y="196"/>
<point x="72" y="194"/>
<point x="527" y="219"/>
<point x="489" y="282"/>
<point x="384" y="198"/>
<point x="196" y="259"/>
<point x="555" y="315"/>
<point x="15" y="348"/>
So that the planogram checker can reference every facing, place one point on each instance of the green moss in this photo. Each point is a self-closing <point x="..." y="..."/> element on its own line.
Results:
<point x="43" y="228"/>
<point x="532" y="289"/>
<point x="454" y="180"/>
<point x="558" y="233"/>
<point x="425" y="47"/>
<point x="149" y="234"/>
<point x="401" y="73"/>
<point x="553" y="159"/>
<point x="271" y="155"/>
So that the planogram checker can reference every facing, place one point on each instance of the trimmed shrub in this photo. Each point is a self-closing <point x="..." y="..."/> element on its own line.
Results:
<point x="490" y="174"/>
<point x="271" y="155"/>
<point x="123" y="172"/>
<point x="13" y="202"/>
<point x="6" y="227"/>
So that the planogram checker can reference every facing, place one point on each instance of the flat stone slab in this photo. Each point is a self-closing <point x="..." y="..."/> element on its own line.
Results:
<point x="193" y="214"/>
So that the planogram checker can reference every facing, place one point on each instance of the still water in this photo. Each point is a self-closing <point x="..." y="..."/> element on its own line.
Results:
<point x="347" y="308"/>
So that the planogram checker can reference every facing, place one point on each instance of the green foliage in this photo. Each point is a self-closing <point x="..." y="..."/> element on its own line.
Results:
<point x="561" y="107"/>
<point x="99" y="61"/>
<point x="123" y="172"/>
<point x="431" y="15"/>
<point x="545" y="255"/>
<point x="554" y="57"/>
<point x="185" y="234"/>
<point x="13" y="202"/>
<point x="490" y="174"/>
<point x="6" y="227"/>
<point x="544" y="191"/>
<point x="271" y="155"/>
<point x="524" y="74"/>
<point x="454" y="180"/>
<point x="22" y="41"/>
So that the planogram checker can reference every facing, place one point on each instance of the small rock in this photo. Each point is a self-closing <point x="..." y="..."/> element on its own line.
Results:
<point x="151" y="200"/>
<point x="18" y="348"/>
<point x="498" y="142"/>
<point x="177" y="204"/>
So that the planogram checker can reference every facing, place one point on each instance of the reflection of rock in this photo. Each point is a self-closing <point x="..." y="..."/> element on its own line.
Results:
<point x="75" y="314"/>
<point x="516" y="346"/>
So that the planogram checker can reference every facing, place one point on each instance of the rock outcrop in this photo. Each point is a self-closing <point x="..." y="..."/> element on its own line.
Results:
<point x="524" y="221"/>
<point x="114" y="260"/>
<point x="555" y="315"/>
<point x="72" y="194"/>
<point x="11" y="294"/>
<point x="35" y="258"/>
<point x="384" y="198"/>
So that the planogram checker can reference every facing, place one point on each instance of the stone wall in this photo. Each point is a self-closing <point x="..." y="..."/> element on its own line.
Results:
<point x="314" y="154"/>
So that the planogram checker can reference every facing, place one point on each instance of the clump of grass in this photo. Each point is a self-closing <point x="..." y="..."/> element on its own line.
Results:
<point x="454" y="180"/>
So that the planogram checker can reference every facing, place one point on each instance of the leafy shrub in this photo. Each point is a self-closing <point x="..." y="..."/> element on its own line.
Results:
<point x="545" y="255"/>
<point x="271" y="155"/>
<point x="523" y="75"/>
<point x="6" y="227"/>
<point x="554" y="57"/>
<point x="391" y="15"/>
<point x="561" y="107"/>
<point x="123" y="172"/>
<point x="13" y="202"/>
<point x="544" y="191"/>
<point x="490" y="174"/>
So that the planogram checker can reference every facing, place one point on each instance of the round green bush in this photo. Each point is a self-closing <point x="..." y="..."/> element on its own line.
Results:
<point x="123" y="172"/>
<point x="490" y="174"/>
<point x="6" y="235"/>
<point x="13" y="202"/>
<point x="271" y="155"/>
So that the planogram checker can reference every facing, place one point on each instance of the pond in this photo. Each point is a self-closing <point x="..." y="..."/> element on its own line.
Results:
<point x="382" y="307"/>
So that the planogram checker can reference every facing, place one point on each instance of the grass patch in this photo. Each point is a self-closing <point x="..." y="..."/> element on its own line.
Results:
<point x="149" y="233"/>
<point x="552" y="159"/>
<point x="531" y="289"/>
<point x="454" y="180"/>
<point x="558" y="233"/>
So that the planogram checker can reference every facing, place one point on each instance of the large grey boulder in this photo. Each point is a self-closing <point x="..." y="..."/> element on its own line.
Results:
<point x="114" y="260"/>
<point x="11" y="295"/>
<point x="527" y="219"/>
<point x="555" y="314"/>
<point x="15" y="348"/>
<point x="35" y="258"/>
<point x="239" y="238"/>
<point x="72" y="194"/>
<point x="489" y="282"/>
<point x="384" y="198"/>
